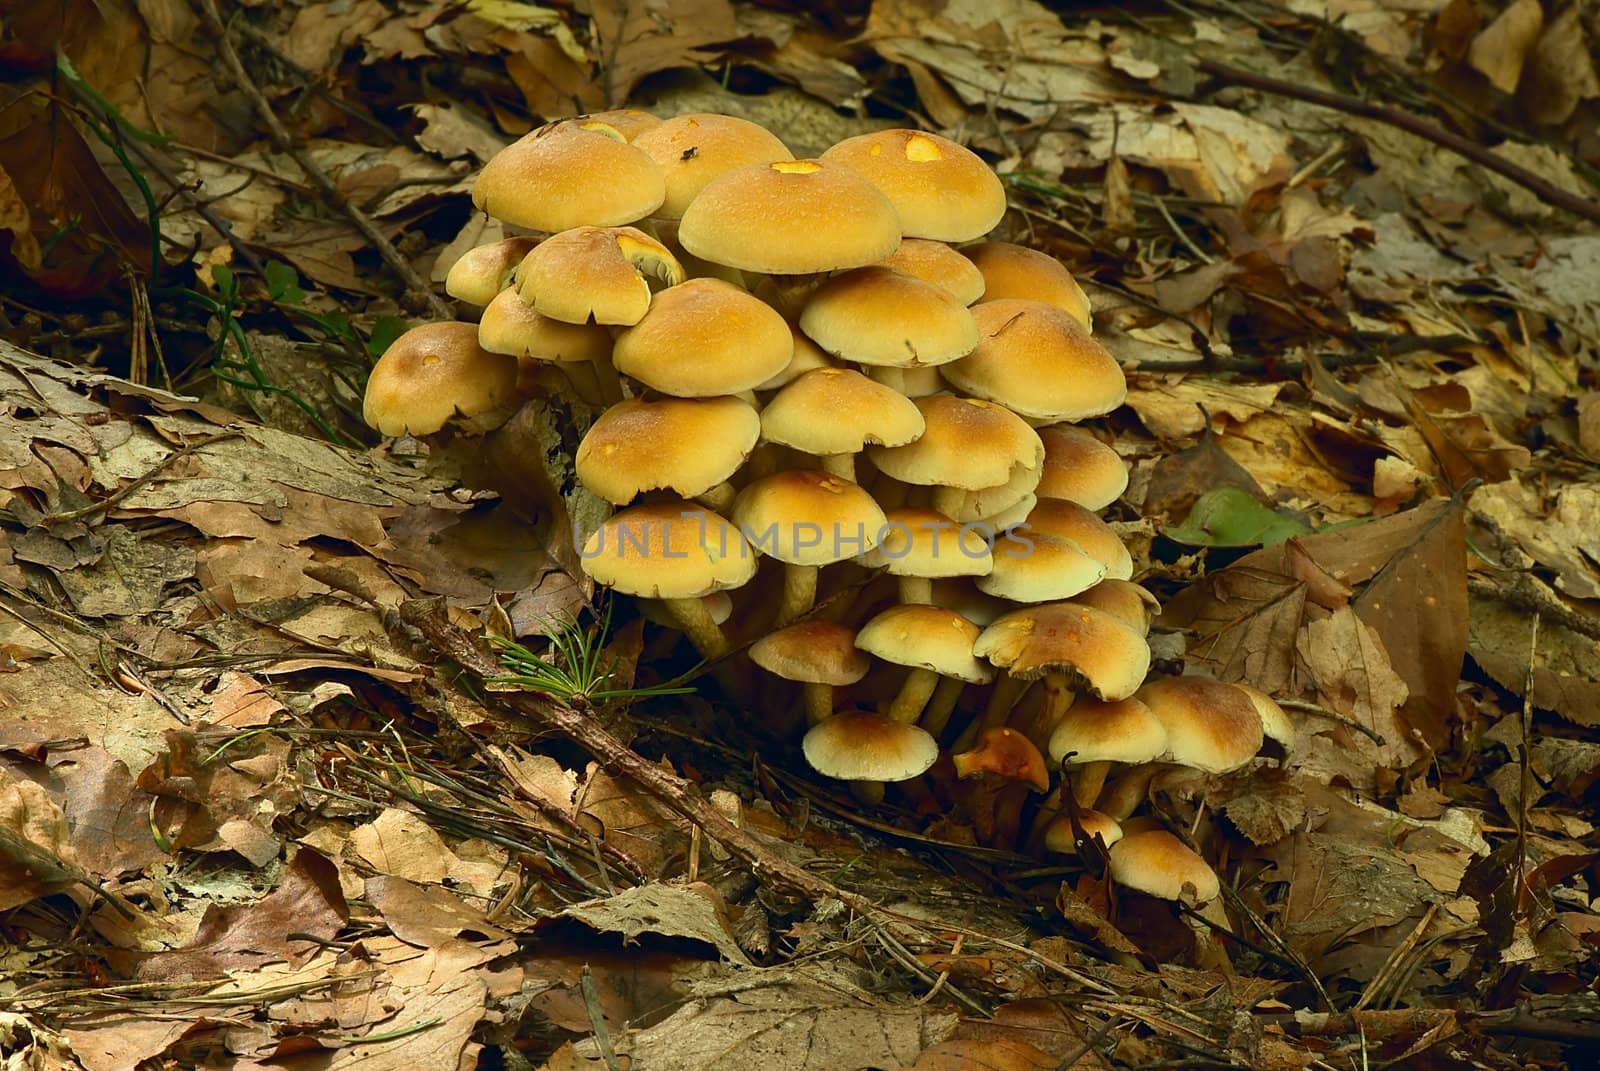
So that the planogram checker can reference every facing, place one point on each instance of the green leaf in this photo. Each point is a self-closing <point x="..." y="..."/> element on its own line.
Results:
<point x="227" y="285"/>
<point x="384" y="332"/>
<point x="283" y="283"/>
<point x="1232" y="517"/>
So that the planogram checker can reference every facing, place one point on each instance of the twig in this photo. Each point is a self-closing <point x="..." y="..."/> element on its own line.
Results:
<point x="597" y="1018"/>
<point x="330" y="192"/>
<point x="903" y="954"/>
<point x="1524" y="594"/>
<point x="1323" y="712"/>
<point x="1586" y="207"/>
<point x="122" y="493"/>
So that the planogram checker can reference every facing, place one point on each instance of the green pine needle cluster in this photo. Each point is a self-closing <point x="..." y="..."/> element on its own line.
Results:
<point x="575" y="668"/>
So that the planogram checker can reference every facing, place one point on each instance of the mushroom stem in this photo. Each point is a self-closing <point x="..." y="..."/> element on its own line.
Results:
<point x="893" y="378"/>
<point x="694" y="618"/>
<point x="1088" y="779"/>
<point x="913" y="695"/>
<point x="868" y="792"/>
<point x="916" y="589"/>
<point x="840" y="465"/>
<point x="717" y="498"/>
<point x="936" y="715"/>
<point x="1057" y="699"/>
<point x="1008" y="691"/>
<point x="819" y="702"/>
<point x="948" y="500"/>
<point x="1123" y="796"/>
<point x="607" y="379"/>
<point x="799" y="592"/>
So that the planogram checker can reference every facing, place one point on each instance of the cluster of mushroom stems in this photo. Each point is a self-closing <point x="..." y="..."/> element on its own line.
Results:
<point x="825" y="364"/>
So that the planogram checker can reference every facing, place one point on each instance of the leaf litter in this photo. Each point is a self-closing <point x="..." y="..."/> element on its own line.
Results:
<point x="293" y="836"/>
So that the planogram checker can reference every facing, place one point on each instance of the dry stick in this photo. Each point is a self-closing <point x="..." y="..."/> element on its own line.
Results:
<point x="414" y="283"/>
<point x="1586" y="207"/>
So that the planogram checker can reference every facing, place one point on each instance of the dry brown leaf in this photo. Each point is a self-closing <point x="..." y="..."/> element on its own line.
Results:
<point x="1352" y="674"/>
<point x="696" y="912"/>
<point x="1245" y="623"/>
<point x="402" y="844"/>
<point x="37" y="857"/>
<point x="427" y="917"/>
<point x="633" y="41"/>
<point x="1499" y="52"/>
<point x="306" y="900"/>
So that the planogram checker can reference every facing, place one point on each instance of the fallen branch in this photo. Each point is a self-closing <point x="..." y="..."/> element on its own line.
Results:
<point x="1550" y="193"/>
<point x="415" y="285"/>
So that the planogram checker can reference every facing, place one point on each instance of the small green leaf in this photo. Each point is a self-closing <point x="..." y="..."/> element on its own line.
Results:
<point x="227" y="285"/>
<point x="1232" y="517"/>
<point x="384" y="332"/>
<point x="283" y="283"/>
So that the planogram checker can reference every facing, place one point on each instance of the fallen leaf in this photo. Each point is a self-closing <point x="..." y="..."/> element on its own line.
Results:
<point x="1352" y="673"/>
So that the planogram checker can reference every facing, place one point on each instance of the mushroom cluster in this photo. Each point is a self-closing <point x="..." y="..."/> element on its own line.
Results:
<point x="827" y="366"/>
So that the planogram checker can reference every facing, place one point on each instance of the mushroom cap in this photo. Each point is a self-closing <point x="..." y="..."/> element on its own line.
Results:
<point x="570" y="173"/>
<point x="808" y="357"/>
<point x="1032" y="566"/>
<point x="940" y="189"/>
<point x="807" y="517"/>
<point x="924" y="542"/>
<point x="858" y="745"/>
<point x="812" y="652"/>
<point x="1089" y="646"/>
<point x="790" y="217"/>
<point x="1059" y="835"/>
<point x="1275" y="723"/>
<point x="1054" y="518"/>
<point x="1014" y="271"/>
<point x="704" y="337"/>
<point x="1008" y="519"/>
<point x="839" y="411"/>
<point x="967" y="443"/>
<point x="879" y="316"/>
<point x="597" y="273"/>
<point x="432" y="374"/>
<point x="483" y="271"/>
<point x="1155" y="862"/>
<point x="987" y="503"/>
<point x="691" y="150"/>
<point x="1005" y="752"/>
<point x="1039" y="362"/>
<point x="1211" y="725"/>
<point x="962" y="595"/>
<point x="1093" y="730"/>
<point x="629" y="122"/>
<point x="925" y="637"/>
<point x="668" y="550"/>
<point x="677" y="444"/>
<point x="937" y="263"/>
<point x="1080" y="468"/>
<point x="509" y="325"/>
<point x="1124" y="600"/>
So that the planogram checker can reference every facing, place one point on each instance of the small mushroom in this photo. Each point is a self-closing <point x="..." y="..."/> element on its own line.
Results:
<point x="570" y="173"/>
<point x="438" y="374"/>
<point x="688" y="446"/>
<point x="868" y="750"/>
<point x="806" y="519"/>
<point x="834" y="413"/>
<point x="1014" y="271"/>
<point x="937" y="644"/>
<point x="940" y="189"/>
<point x="484" y="271"/>
<point x="821" y="655"/>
